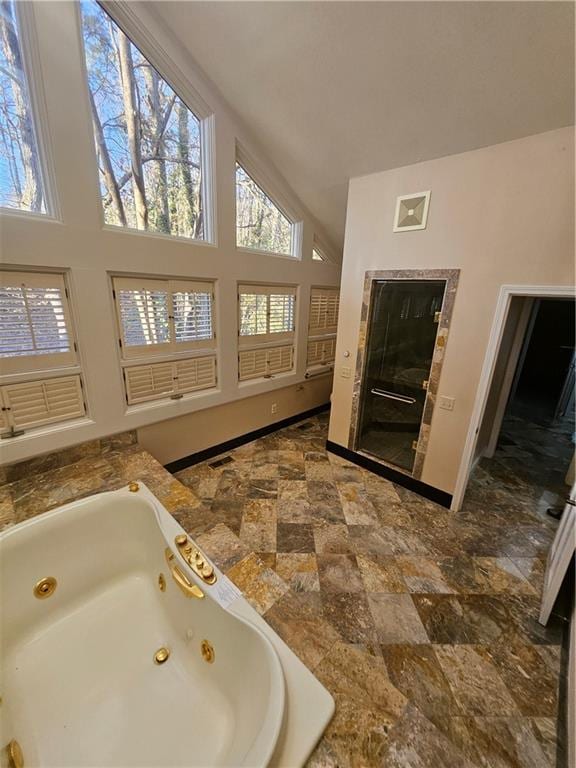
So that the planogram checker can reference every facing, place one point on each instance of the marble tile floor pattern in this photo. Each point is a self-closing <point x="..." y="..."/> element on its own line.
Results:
<point x="421" y="622"/>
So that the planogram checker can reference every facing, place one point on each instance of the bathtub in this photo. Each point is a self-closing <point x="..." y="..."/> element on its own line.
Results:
<point x="116" y="653"/>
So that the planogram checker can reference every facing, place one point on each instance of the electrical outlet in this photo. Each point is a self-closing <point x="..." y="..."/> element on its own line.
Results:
<point x="274" y="407"/>
<point x="447" y="403"/>
<point x="346" y="372"/>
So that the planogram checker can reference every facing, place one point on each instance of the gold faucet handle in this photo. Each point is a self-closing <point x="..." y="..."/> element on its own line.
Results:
<point x="195" y="559"/>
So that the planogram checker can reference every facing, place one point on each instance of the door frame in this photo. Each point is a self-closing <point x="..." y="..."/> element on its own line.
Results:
<point x="514" y="365"/>
<point x="507" y="293"/>
<point x="451" y="278"/>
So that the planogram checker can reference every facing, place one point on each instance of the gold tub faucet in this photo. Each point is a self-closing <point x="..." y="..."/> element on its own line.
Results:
<point x="195" y="559"/>
<point x="182" y="581"/>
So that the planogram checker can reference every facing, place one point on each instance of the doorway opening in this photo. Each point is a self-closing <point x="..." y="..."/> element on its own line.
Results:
<point x="527" y="431"/>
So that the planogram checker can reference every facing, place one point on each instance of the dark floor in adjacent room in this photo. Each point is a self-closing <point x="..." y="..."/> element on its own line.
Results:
<point x="420" y="621"/>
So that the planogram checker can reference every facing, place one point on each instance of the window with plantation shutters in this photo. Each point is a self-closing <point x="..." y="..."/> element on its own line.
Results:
<point x="35" y="328"/>
<point x="322" y="326"/>
<point x="266" y="325"/>
<point x="159" y="317"/>
<point x="168" y="319"/>
<point x="266" y="313"/>
<point x="36" y="341"/>
<point x="37" y="403"/>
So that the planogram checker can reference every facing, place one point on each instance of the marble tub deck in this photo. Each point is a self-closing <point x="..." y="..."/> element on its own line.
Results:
<point x="422" y="623"/>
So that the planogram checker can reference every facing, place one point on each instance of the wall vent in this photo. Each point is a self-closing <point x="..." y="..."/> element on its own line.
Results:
<point x="411" y="212"/>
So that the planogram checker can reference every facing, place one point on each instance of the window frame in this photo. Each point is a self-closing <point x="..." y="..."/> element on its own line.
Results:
<point x="31" y="366"/>
<point x="29" y="51"/>
<point x="295" y="217"/>
<point x="149" y="353"/>
<point x="157" y="55"/>
<point x="324" y="251"/>
<point x="277" y="339"/>
<point x="268" y="343"/>
<point x="171" y="353"/>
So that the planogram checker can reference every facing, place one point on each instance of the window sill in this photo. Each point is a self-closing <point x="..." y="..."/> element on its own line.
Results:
<point x="157" y="235"/>
<point x="162" y="402"/>
<point x="265" y="379"/>
<point x="48" y="429"/>
<point x="17" y="213"/>
<point x="262" y="252"/>
<point x="320" y="370"/>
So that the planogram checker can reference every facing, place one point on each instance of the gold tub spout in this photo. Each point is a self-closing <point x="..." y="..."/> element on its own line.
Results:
<point x="182" y="581"/>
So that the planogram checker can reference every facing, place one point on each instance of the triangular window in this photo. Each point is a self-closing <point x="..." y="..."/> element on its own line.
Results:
<point x="147" y="140"/>
<point x="316" y="255"/>
<point x="260" y="224"/>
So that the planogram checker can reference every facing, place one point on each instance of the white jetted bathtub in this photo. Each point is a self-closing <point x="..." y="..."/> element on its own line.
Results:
<point x="119" y="651"/>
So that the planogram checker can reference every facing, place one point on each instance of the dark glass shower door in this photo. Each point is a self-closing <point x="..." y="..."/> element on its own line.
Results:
<point x="403" y="323"/>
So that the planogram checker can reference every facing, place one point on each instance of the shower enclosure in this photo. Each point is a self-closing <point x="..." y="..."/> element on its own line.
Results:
<point x="402" y="329"/>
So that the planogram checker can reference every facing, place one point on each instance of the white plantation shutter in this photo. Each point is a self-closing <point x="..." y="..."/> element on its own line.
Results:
<point x="4" y="424"/>
<point x="266" y="313"/>
<point x="280" y="359"/>
<point x="253" y="314"/>
<point x="322" y="325"/>
<point x="197" y="373"/>
<point x="321" y="352"/>
<point x="264" y="362"/>
<point x="193" y="315"/>
<point x="35" y="403"/>
<point x="281" y="313"/>
<point x="143" y="315"/>
<point x="252" y="364"/>
<point x="324" y="305"/>
<point x="35" y="328"/>
<point x="160" y="380"/>
<point x="148" y="382"/>
<point x="163" y="316"/>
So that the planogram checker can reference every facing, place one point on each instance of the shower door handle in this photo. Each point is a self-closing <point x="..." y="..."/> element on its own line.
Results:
<point x="393" y="396"/>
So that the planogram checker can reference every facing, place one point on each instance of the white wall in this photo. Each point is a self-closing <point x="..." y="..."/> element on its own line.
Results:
<point x="502" y="215"/>
<point x="78" y="240"/>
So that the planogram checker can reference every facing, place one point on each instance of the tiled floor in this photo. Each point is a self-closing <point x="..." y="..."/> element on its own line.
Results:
<point x="421" y="622"/>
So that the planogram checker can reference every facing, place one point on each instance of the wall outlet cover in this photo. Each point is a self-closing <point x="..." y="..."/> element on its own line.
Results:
<point x="447" y="403"/>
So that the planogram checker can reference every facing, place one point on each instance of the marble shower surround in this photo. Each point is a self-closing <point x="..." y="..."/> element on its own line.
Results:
<point x="451" y="276"/>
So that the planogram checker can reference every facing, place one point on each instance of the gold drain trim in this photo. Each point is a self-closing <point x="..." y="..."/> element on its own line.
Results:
<point x="207" y="651"/>
<point x="45" y="587"/>
<point x="161" y="582"/>
<point x="162" y="655"/>
<point x="15" y="755"/>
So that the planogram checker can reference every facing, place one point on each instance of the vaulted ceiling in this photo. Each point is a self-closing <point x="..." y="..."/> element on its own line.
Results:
<point x="333" y="90"/>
